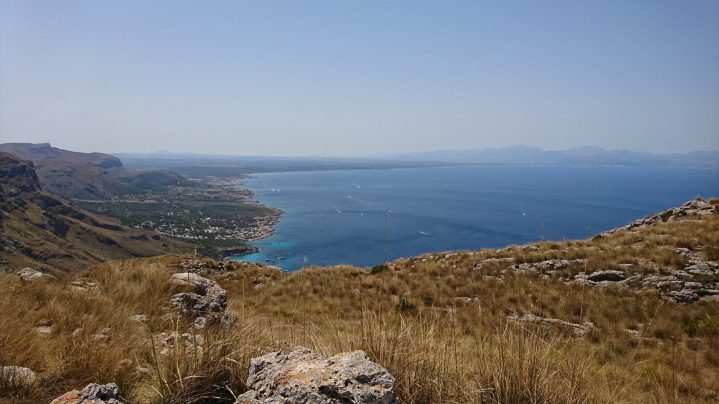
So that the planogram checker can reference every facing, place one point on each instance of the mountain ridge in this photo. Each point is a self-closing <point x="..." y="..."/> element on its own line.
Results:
<point x="77" y="175"/>
<point x="43" y="230"/>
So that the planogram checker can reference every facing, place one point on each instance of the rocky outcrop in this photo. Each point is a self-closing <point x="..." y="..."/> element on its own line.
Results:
<point x="204" y="306"/>
<point x="92" y="394"/>
<point x="303" y="376"/>
<point x="17" y="175"/>
<point x="695" y="265"/>
<point x="574" y="328"/>
<point x="694" y="280"/>
<point x="83" y="285"/>
<point x="208" y="296"/>
<point x="167" y="342"/>
<point x="547" y="266"/>
<point x="691" y="208"/>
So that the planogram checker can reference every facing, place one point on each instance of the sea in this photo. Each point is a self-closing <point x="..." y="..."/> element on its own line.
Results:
<point x="364" y="217"/>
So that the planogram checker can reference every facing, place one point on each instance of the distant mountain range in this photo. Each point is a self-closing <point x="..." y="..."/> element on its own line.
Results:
<point x="582" y="156"/>
<point x="187" y="163"/>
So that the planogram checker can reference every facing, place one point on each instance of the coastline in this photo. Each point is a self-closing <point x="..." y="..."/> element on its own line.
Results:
<point x="263" y="226"/>
<point x="336" y="217"/>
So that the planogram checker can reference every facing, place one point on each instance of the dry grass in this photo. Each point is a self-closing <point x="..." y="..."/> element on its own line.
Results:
<point x="213" y="372"/>
<point x="406" y="317"/>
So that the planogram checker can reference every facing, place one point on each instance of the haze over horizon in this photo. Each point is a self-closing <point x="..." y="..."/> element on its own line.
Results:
<point x="359" y="78"/>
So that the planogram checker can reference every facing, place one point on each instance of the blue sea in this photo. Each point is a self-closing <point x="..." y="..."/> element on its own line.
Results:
<point x="335" y="217"/>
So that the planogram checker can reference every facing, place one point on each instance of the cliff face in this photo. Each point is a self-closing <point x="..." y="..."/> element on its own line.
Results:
<point x="40" y="229"/>
<point x="87" y="175"/>
<point x="17" y="174"/>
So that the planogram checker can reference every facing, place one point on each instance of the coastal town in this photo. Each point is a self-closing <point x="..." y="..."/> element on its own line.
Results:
<point x="215" y="213"/>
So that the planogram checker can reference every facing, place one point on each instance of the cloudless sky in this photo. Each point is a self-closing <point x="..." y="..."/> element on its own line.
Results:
<point x="359" y="77"/>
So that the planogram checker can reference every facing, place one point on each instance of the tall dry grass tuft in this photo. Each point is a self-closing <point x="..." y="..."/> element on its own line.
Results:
<point x="85" y="360"/>
<point x="422" y="352"/>
<point x="518" y="366"/>
<point x="433" y="363"/>
<point x="211" y="372"/>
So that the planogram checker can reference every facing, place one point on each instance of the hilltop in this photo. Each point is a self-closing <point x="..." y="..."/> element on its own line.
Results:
<point x="89" y="175"/>
<point x="45" y="231"/>
<point x="630" y="315"/>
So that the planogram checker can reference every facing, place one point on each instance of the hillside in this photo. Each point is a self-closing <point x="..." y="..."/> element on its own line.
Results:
<point x="631" y="315"/>
<point x="42" y="230"/>
<point x="89" y="175"/>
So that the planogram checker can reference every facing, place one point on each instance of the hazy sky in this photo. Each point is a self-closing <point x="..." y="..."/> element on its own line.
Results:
<point x="356" y="77"/>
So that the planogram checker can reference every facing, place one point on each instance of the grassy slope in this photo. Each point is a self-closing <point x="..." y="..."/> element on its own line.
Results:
<point x="406" y="317"/>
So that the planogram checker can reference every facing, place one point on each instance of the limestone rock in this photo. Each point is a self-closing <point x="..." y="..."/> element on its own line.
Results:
<point x="700" y="268"/>
<point x="17" y="375"/>
<point x="190" y="279"/>
<point x="92" y="394"/>
<point x="44" y="329"/>
<point x="29" y="274"/>
<point x="189" y="303"/>
<point x="44" y="326"/>
<point x="682" y="296"/>
<point x="166" y="342"/>
<point x="208" y="296"/>
<point x="303" y="376"/>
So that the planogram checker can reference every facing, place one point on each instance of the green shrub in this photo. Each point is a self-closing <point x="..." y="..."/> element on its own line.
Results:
<point x="405" y="306"/>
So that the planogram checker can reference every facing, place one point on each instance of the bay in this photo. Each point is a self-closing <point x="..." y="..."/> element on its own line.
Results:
<point x="340" y="217"/>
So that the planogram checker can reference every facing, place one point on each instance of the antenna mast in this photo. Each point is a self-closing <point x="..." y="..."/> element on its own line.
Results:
<point x="386" y="222"/>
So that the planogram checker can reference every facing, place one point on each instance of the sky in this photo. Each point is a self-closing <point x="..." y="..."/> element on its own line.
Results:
<point x="359" y="77"/>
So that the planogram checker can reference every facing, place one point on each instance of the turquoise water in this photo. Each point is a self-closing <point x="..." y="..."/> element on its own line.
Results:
<point x="335" y="217"/>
